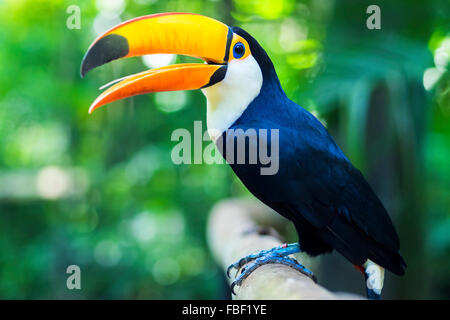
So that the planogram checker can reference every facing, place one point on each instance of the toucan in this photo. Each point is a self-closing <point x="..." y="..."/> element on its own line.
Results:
<point x="315" y="186"/>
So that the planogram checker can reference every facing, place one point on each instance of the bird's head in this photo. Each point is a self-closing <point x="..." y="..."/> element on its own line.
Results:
<point x="232" y="74"/>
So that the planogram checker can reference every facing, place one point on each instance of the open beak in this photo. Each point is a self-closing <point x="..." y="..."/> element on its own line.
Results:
<point x="176" y="33"/>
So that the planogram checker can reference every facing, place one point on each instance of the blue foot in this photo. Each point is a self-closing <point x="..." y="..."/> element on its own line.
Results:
<point x="275" y="255"/>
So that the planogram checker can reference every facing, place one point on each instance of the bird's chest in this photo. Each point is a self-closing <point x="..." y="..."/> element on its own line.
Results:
<point x="266" y="153"/>
<point x="253" y="152"/>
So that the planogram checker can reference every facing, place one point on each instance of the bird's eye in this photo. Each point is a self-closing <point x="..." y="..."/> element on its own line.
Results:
<point x="238" y="50"/>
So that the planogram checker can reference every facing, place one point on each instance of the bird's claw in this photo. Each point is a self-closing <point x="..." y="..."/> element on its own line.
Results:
<point x="307" y="273"/>
<point x="231" y="266"/>
<point x="232" y="288"/>
<point x="238" y="264"/>
<point x="239" y="279"/>
<point x="275" y="255"/>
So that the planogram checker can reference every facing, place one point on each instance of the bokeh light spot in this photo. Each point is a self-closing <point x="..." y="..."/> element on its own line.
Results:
<point x="107" y="253"/>
<point x="52" y="182"/>
<point x="166" y="271"/>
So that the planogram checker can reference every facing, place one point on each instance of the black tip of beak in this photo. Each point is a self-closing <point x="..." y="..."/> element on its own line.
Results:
<point x="106" y="49"/>
<point x="218" y="76"/>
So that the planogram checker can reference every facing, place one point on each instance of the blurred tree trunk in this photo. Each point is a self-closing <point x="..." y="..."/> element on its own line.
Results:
<point x="239" y="227"/>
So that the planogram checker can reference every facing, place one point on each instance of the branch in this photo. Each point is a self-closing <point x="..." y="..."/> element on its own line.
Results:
<point x="234" y="231"/>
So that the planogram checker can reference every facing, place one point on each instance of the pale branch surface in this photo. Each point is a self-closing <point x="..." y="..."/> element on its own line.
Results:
<point x="234" y="231"/>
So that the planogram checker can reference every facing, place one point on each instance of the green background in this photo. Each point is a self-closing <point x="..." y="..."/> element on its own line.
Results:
<point x="101" y="192"/>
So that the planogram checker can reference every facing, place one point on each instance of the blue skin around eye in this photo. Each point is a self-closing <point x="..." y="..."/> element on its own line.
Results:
<point x="238" y="50"/>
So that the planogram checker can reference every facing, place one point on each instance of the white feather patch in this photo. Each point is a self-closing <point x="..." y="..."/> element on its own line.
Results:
<point x="375" y="276"/>
<point x="228" y="99"/>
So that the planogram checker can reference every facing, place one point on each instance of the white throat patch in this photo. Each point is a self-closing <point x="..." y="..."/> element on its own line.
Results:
<point x="228" y="99"/>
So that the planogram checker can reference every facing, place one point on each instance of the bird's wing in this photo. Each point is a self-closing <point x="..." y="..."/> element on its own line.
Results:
<point x="315" y="180"/>
<point x="332" y="187"/>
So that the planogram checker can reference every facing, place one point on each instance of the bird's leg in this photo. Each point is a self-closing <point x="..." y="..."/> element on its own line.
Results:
<point x="275" y="255"/>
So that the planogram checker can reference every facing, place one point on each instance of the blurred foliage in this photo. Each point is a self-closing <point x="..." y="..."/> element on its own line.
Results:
<point x="101" y="191"/>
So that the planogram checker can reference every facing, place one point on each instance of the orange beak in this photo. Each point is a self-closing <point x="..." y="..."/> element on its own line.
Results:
<point x="176" y="33"/>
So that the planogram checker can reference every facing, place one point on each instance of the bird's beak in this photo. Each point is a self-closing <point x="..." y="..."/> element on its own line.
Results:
<point x="176" y="33"/>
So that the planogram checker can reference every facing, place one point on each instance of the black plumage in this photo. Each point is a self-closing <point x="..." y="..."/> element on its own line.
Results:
<point x="316" y="187"/>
